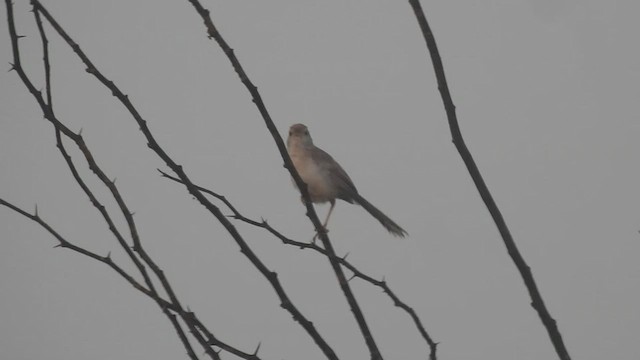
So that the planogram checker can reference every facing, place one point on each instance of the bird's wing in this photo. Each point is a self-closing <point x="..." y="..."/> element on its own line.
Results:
<point x="335" y="172"/>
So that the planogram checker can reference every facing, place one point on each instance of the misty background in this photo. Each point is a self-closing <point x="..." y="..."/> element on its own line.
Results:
<point x="546" y="95"/>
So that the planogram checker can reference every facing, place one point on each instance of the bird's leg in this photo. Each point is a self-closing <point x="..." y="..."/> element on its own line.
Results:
<point x="326" y="221"/>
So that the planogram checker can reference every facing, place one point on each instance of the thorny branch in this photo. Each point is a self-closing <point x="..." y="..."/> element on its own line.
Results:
<point x="46" y="106"/>
<point x="123" y="244"/>
<point x="139" y="256"/>
<point x="96" y="203"/>
<point x="102" y="209"/>
<point x="288" y="164"/>
<point x="271" y="276"/>
<point x="63" y="243"/>
<point x="525" y="272"/>
<point x="313" y="246"/>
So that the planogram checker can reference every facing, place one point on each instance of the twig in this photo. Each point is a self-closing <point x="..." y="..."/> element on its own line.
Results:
<point x="217" y="342"/>
<point x="60" y="128"/>
<point x="99" y="206"/>
<point x="152" y="144"/>
<point x="342" y="260"/>
<point x="525" y="272"/>
<point x="63" y="243"/>
<point x="288" y="164"/>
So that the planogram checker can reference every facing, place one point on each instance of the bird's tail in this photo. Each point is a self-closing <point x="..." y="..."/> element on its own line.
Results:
<point x="389" y="224"/>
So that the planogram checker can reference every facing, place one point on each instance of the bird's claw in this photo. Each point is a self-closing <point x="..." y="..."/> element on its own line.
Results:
<point x="324" y="230"/>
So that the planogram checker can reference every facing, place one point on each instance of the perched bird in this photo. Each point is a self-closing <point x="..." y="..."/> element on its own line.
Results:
<point x="326" y="180"/>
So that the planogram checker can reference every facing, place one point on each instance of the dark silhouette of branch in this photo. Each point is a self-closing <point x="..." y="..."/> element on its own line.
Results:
<point x="172" y="307"/>
<point x="523" y="268"/>
<point x="217" y="342"/>
<point x="63" y="243"/>
<point x="313" y="246"/>
<point x="61" y="129"/>
<point x="60" y="145"/>
<point x="102" y="209"/>
<point x="45" y="57"/>
<point x="311" y="213"/>
<point x="152" y="144"/>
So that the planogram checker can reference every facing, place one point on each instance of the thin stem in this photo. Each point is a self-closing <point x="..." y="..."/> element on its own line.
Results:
<point x="525" y="272"/>
<point x="152" y="144"/>
<point x="342" y="260"/>
<point x="288" y="164"/>
<point x="63" y="243"/>
<point x="61" y="129"/>
<point x="101" y="208"/>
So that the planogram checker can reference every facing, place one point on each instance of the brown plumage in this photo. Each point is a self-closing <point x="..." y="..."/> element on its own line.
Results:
<point x="326" y="179"/>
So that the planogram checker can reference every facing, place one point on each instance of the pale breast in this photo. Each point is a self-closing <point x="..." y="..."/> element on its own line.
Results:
<point x="317" y="181"/>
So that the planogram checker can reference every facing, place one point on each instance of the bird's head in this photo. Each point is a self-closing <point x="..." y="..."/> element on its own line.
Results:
<point x="299" y="136"/>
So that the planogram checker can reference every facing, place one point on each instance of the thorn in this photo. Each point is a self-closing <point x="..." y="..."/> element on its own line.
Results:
<point x="57" y="246"/>
<point x="351" y="278"/>
<point x="20" y="36"/>
<point x="36" y="211"/>
<point x="132" y="213"/>
<point x="114" y="181"/>
<point x="255" y="353"/>
<point x="12" y="67"/>
<point x="108" y="255"/>
<point x="80" y="132"/>
<point x="345" y="256"/>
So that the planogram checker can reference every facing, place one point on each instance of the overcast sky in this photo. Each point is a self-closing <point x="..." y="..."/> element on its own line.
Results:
<point x="547" y="98"/>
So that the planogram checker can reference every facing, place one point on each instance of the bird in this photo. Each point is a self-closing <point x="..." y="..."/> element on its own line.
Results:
<point x="326" y="180"/>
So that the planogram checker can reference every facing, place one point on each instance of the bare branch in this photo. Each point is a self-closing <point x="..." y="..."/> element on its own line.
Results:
<point x="151" y="142"/>
<point x="45" y="57"/>
<point x="342" y="260"/>
<point x="288" y="164"/>
<point x="101" y="208"/>
<point x="61" y="129"/>
<point x="63" y="243"/>
<point x="523" y="268"/>
<point x="217" y="342"/>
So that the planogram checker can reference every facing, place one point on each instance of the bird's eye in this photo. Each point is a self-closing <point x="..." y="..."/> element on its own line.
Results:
<point x="306" y="132"/>
<point x="290" y="133"/>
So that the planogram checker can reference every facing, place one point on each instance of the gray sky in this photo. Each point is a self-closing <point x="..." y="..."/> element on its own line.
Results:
<point x="546" y="94"/>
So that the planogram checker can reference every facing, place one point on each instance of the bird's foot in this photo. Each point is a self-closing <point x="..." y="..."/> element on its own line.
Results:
<point x="324" y="230"/>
